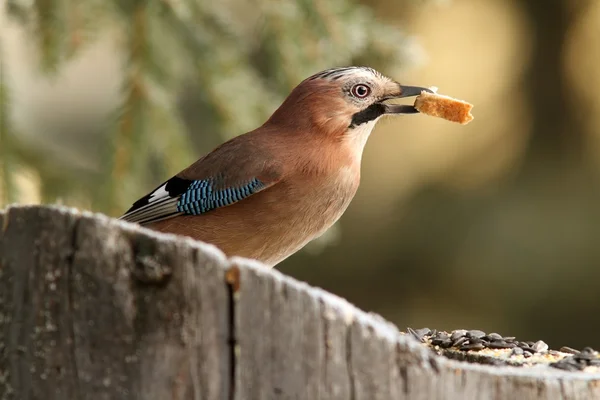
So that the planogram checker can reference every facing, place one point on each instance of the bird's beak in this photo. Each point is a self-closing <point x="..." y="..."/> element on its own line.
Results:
<point x="399" y="92"/>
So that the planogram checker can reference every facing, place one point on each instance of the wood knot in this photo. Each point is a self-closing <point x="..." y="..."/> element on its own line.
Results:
<point x="232" y="277"/>
<point x="149" y="270"/>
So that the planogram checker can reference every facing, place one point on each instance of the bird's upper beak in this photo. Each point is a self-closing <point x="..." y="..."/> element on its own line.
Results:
<point x="397" y="91"/>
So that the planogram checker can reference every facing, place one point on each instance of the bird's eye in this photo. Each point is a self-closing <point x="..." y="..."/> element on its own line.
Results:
<point x="361" y="91"/>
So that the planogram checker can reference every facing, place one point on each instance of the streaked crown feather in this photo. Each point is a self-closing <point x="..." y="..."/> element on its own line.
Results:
<point x="341" y="72"/>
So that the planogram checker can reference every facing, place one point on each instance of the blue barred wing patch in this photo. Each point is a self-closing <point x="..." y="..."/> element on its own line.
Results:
<point x="201" y="196"/>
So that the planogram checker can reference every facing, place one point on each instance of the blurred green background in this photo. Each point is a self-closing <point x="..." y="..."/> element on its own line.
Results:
<point x="494" y="225"/>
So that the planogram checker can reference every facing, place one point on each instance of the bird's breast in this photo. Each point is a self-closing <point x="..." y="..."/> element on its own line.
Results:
<point x="320" y="201"/>
<point x="273" y="224"/>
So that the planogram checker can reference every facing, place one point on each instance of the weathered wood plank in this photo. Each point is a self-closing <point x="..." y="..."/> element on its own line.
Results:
<point x="94" y="308"/>
<point x="281" y="337"/>
<point x="289" y="329"/>
<point x="36" y="247"/>
<point x="109" y="312"/>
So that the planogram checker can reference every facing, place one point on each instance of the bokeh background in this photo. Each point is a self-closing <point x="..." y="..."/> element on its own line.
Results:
<point x="494" y="225"/>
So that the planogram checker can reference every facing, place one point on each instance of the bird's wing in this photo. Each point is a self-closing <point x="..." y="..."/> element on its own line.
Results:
<point x="229" y="174"/>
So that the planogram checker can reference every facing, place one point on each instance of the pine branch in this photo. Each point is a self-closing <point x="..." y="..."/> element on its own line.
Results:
<point x="170" y="144"/>
<point x="17" y="10"/>
<point x="8" y="190"/>
<point x="50" y="32"/>
<point x="128" y="148"/>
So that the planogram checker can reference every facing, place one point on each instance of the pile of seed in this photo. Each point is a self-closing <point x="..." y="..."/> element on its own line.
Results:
<point x="464" y="340"/>
<point x="475" y="340"/>
<point x="579" y="360"/>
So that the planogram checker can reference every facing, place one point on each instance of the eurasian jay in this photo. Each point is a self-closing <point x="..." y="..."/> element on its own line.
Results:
<point x="267" y="193"/>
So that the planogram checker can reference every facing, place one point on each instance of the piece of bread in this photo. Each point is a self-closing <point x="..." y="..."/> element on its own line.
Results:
<point x="445" y="107"/>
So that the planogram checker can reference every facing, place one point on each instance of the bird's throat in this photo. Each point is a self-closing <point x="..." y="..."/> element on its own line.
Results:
<point x="356" y="138"/>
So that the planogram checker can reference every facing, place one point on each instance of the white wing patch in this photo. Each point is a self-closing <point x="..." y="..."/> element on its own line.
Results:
<point x="158" y="194"/>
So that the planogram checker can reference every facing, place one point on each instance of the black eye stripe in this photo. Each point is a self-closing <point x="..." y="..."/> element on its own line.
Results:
<point x="370" y="113"/>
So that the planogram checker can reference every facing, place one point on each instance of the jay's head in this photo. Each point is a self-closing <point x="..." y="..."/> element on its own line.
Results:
<point x="343" y="102"/>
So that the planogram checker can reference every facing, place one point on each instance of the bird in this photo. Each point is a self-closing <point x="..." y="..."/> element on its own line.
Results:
<point x="267" y="193"/>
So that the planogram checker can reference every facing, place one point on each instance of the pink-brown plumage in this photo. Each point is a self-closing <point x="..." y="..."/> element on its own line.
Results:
<point x="308" y="157"/>
<point x="311" y="193"/>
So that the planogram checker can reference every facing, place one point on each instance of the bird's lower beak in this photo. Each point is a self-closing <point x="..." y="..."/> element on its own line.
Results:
<point x="405" y="91"/>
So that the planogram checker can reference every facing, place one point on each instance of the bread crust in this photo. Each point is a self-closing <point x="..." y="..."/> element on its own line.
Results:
<point x="448" y="108"/>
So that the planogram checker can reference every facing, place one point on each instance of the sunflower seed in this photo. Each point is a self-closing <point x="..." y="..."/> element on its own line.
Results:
<point x="540" y="346"/>
<point x="517" y="351"/>
<point x="473" y="346"/>
<point x="566" y="349"/>
<point x="565" y="365"/>
<point x="457" y="334"/>
<point x="423" y="332"/>
<point x="501" y="345"/>
<point x="494" y="336"/>
<point x="477" y="334"/>
<point x="460" y="341"/>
